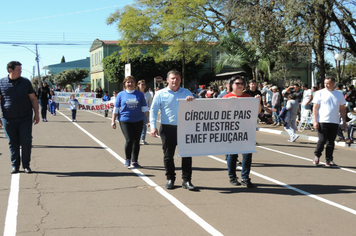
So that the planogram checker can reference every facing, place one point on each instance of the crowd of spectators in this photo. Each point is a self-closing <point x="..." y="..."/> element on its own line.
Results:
<point x="275" y="98"/>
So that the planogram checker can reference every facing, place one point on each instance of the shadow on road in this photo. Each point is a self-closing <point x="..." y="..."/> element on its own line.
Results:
<point x="50" y="146"/>
<point x="89" y="174"/>
<point x="299" y="166"/>
<point x="316" y="189"/>
<point x="297" y="144"/>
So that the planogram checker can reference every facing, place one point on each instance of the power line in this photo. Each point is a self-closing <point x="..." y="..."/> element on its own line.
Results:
<point x="48" y="43"/>
<point x="66" y="14"/>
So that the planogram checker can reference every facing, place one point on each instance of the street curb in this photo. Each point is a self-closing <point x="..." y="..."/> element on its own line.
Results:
<point x="303" y="136"/>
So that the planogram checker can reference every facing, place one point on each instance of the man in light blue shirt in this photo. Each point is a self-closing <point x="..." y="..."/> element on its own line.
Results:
<point x="166" y="100"/>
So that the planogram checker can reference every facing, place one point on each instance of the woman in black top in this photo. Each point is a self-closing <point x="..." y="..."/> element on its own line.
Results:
<point x="99" y="92"/>
<point x="42" y="95"/>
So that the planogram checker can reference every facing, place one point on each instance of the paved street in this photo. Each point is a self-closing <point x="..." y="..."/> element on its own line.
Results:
<point x="81" y="187"/>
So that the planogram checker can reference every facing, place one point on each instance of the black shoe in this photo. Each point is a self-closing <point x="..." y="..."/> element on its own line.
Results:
<point x="170" y="184"/>
<point x="247" y="183"/>
<point x="188" y="185"/>
<point x="14" y="170"/>
<point x="28" y="170"/>
<point x="233" y="181"/>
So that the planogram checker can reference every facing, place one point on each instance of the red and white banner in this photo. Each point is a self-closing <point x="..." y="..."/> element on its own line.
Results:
<point x="87" y="101"/>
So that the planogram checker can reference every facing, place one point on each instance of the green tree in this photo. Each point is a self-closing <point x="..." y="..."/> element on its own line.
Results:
<point x="70" y="76"/>
<point x="179" y="30"/>
<point x="263" y="22"/>
<point x="239" y="53"/>
<point x="144" y="67"/>
<point x="343" y="16"/>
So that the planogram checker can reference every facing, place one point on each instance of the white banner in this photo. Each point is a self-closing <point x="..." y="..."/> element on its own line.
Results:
<point x="217" y="126"/>
<point x="87" y="101"/>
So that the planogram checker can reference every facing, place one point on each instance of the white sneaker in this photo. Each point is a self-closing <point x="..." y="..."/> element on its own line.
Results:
<point x="143" y="142"/>
<point x="295" y="137"/>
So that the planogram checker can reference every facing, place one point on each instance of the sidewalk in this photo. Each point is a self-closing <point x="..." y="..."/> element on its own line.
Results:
<point x="306" y="134"/>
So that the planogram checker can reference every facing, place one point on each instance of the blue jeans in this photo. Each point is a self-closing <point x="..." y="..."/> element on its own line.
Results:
<point x="52" y="107"/>
<point x="246" y="165"/>
<point x="303" y="107"/>
<point x="144" y="128"/>
<point x="276" y="113"/>
<point x="19" y="133"/>
<point x="290" y="127"/>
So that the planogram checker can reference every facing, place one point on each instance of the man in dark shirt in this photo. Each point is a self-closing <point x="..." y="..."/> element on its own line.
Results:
<point x="18" y="102"/>
<point x="253" y="91"/>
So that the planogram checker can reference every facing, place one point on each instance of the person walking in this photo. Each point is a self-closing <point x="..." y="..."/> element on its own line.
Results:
<point x="73" y="104"/>
<point x="236" y="85"/>
<point x="18" y="103"/>
<point x="129" y="106"/>
<point x="328" y="104"/>
<point x="141" y="86"/>
<point x="167" y="102"/>
<point x="43" y="94"/>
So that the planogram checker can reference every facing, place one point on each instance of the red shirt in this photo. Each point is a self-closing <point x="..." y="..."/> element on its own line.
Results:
<point x="244" y="95"/>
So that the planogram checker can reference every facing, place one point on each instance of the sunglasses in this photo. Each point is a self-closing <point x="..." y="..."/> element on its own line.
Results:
<point x="239" y="83"/>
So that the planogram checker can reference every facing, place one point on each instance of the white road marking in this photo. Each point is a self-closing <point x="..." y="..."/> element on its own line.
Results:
<point x="207" y="227"/>
<point x="303" y="158"/>
<point x="352" y="211"/>
<point x="12" y="206"/>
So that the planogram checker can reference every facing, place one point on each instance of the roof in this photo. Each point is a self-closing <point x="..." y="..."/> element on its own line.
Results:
<point x="99" y="43"/>
<point x="231" y="73"/>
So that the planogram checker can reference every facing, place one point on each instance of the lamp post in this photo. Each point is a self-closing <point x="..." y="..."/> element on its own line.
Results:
<point x="37" y="60"/>
<point x="338" y="58"/>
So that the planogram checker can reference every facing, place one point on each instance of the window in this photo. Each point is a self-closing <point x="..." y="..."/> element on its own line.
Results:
<point x="92" y="59"/>
<point x="96" y="58"/>
<point x="100" y="56"/>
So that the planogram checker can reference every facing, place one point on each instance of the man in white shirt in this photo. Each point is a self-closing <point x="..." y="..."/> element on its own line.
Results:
<point x="307" y="97"/>
<point x="79" y="89"/>
<point x="328" y="104"/>
<point x="166" y="101"/>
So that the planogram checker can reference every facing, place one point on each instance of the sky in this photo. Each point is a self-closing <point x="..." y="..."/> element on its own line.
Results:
<point x="42" y="22"/>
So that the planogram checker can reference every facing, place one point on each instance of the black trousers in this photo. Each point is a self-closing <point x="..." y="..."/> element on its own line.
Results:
<point x="132" y="132"/>
<point x="168" y="135"/>
<point x="44" y="105"/>
<point x="327" y="134"/>
<point x="74" y="114"/>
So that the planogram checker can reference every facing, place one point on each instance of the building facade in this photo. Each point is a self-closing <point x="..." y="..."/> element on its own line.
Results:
<point x="80" y="64"/>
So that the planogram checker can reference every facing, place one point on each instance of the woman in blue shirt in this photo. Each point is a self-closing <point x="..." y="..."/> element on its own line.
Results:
<point x="129" y="106"/>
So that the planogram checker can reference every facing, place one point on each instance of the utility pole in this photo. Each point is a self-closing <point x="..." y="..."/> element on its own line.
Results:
<point x="37" y="60"/>
<point x="38" y="68"/>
